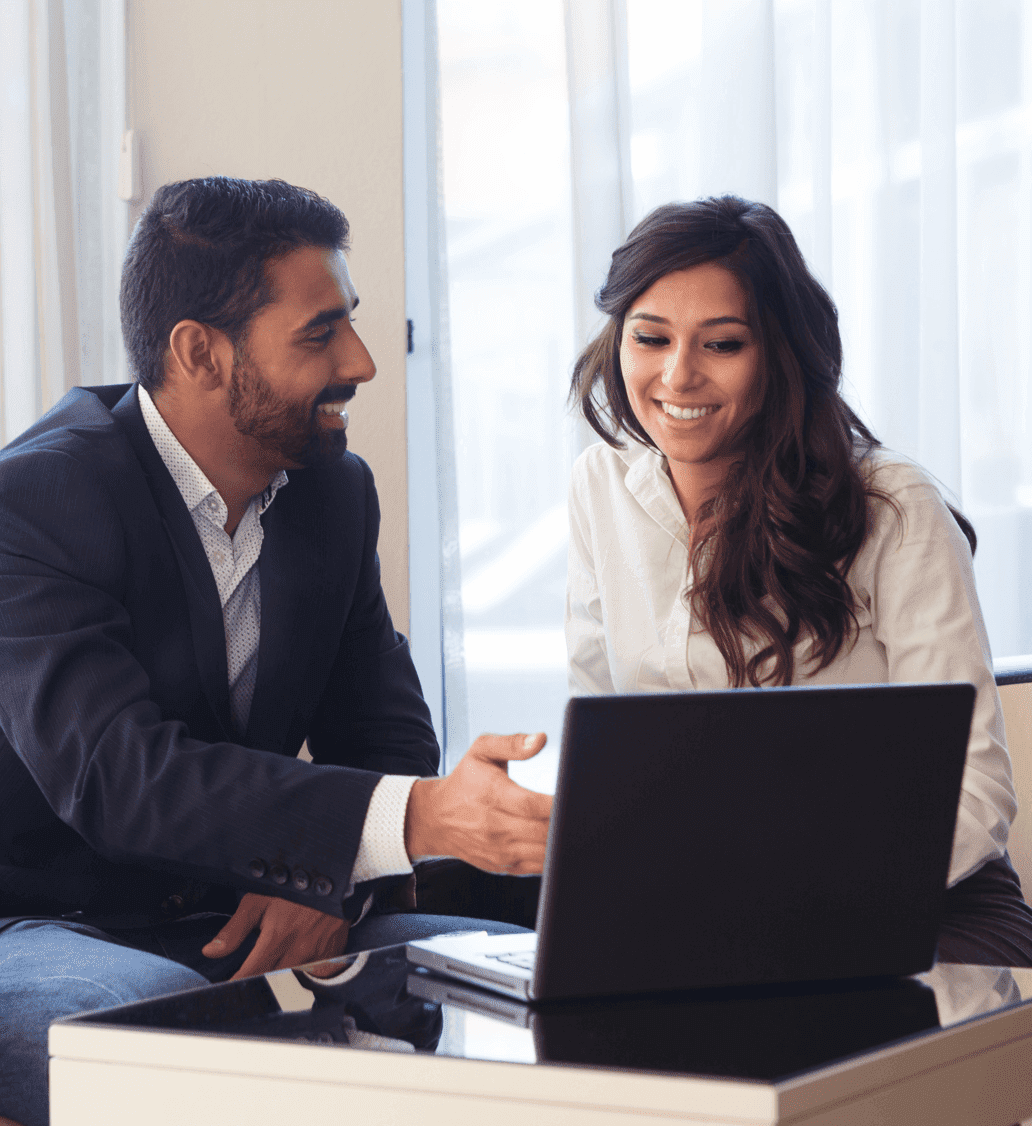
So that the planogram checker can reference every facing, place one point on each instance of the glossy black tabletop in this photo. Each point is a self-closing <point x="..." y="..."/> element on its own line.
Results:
<point x="378" y="1001"/>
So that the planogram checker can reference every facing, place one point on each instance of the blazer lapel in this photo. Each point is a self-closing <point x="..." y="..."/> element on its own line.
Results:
<point x="296" y="606"/>
<point x="206" y="623"/>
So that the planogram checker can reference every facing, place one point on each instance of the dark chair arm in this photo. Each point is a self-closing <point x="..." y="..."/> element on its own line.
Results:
<point x="1013" y="670"/>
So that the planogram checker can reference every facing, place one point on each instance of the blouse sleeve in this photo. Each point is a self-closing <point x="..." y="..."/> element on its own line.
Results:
<point x="589" y="670"/>
<point x="916" y="570"/>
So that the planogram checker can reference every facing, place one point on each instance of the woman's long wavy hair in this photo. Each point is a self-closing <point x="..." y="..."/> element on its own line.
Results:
<point x="781" y="536"/>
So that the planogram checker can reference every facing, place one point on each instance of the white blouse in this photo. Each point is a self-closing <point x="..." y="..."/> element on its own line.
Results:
<point x="629" y="627"/>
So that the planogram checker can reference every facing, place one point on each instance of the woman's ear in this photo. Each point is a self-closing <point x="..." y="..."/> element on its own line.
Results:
<point x="199" y="356"/>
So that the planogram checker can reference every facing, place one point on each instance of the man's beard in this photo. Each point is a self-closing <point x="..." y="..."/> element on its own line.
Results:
<point x="282" y="426"/>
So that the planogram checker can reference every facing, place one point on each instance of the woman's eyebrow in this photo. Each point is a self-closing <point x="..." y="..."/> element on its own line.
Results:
<point x="705" y="324"/>
<point x="724" y="321"/>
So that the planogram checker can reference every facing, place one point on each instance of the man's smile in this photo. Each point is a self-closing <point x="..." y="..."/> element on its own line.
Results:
<point x="335" y="410"/>
<point x="333" y="401"/>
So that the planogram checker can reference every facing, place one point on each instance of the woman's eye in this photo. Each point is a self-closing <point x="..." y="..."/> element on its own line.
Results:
<point x="726" y="347"/>
<point x="644" y="338"/>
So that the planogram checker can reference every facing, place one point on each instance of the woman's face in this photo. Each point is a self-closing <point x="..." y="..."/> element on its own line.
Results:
<point x="691" y="363"/>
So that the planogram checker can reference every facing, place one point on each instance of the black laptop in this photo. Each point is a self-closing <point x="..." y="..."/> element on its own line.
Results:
<point x="749" y="836"/>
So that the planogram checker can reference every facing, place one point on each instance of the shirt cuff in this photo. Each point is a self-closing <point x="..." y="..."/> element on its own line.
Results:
<point x="381" y="851"/>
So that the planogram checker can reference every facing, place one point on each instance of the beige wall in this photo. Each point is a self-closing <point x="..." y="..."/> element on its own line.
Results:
<point x="309" y="91"/>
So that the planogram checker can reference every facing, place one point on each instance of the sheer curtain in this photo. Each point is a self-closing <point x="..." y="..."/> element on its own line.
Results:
<point x="62" y="226"/>
<point x="505" y="146"/>
<point x="894" y="137"/>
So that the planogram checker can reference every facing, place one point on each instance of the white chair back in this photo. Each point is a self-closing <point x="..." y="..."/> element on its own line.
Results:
<point x="1014" y="677"/>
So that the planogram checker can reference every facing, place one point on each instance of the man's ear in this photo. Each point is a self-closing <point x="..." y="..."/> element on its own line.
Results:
<point x="199" y="355"/>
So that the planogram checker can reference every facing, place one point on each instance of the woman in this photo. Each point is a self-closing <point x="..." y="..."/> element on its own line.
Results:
<point x="752" y="531"/>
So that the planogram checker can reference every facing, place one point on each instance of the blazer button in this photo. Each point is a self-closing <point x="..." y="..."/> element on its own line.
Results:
<point x="279" y="874"/>
<point x="300" y="879"/>
<point x="323" y="885"/>
<point x="257" y="868"/>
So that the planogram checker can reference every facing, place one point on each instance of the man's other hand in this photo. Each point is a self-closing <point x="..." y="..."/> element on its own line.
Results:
<point x="291" y="935"/>
<point x="478" y="814"/>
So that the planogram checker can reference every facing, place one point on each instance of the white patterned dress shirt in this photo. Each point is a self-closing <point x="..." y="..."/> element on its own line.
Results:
<point x="234" y="564"/>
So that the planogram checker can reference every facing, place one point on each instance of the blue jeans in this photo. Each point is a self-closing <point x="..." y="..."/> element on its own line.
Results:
<point x="53" y="968"/>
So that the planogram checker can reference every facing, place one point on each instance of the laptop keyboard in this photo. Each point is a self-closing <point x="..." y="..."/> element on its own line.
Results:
<point x="523" y="961"/>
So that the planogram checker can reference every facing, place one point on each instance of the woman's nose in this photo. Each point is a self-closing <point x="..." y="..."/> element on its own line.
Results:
<point x="682" y="371"/>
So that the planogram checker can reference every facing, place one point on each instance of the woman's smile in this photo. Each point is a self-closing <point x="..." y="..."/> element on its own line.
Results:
<point x="686" y="413"/>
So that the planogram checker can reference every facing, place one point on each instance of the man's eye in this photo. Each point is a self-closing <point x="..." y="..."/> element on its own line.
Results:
<point x="324" y="338"/>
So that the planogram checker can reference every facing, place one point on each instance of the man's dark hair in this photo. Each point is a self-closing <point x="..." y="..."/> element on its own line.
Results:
<point x="199" y="253"/>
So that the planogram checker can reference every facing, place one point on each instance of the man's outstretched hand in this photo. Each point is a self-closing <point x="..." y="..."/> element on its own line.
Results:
<point x="291" y="935"/>
<point x="478" y="814"/>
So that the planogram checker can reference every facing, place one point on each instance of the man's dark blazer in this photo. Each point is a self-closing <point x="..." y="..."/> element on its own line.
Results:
<point x="123" y="787"/>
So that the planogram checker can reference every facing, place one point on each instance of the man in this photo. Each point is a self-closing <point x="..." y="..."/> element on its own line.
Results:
<point x="189" y="590"/>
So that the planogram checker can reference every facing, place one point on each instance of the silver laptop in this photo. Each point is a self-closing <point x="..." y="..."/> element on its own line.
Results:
<point x="743" y="837"/>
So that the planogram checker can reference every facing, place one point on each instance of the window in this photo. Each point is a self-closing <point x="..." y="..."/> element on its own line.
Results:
<point x="894" y="137"/>
<point x="511" y="327"/>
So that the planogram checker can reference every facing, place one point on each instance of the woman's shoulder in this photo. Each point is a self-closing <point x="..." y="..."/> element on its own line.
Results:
<point x="907" y="499"/>
<point x="893" y="473"/>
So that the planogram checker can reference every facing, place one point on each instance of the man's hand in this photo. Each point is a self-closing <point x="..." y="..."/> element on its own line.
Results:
<point x="291" y="935"/>
<point x="478" y="814"/>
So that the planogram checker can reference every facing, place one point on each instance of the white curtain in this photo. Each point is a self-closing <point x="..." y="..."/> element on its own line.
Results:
<point x="894" y="137"/>
<point x="62" y="225"/>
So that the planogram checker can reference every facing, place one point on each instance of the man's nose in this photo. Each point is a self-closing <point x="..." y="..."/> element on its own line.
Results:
<point x="355" y="364"/>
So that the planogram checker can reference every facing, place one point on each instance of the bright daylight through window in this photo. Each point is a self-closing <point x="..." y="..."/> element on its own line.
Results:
<point x="506" y="193"/>
<point x="896" y="139"/>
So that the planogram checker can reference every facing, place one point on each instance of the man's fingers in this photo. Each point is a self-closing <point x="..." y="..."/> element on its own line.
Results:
<point x="464" y="814"/>
<point x="515" y="847"/>
<point x="322" y="969"/>
<point x="289" y="935"/>
<point x="531" y="866"/>
<point x="263" y="959"/>
<point x="517" y="801"/>
<point x="525" y="859"/>
<point x="246" y="917"/>
<point x="531" y="805"/>
<point x="507" y="748"/>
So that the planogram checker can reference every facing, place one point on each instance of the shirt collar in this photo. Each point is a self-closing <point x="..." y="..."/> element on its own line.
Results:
<point x="269" y="493"/>
<point x="190" y="480"/>
<point x="648" y="481"/>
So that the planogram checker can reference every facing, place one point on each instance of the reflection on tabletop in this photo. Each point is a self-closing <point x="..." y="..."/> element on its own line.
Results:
<point x="962" y="992"/>
<point x="378" y="1001"/>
